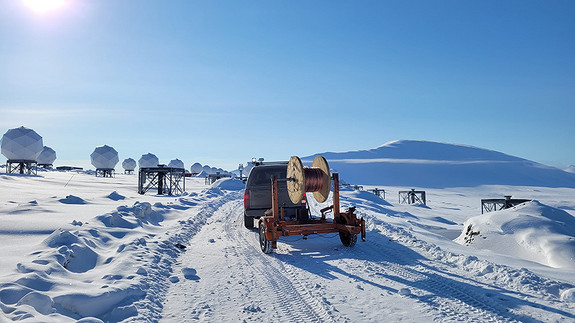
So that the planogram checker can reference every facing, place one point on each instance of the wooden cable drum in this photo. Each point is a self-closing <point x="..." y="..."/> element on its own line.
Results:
<point x="315" y="179"/>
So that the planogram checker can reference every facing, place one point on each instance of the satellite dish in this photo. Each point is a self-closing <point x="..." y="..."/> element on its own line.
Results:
<point x="196" y="168"/>
<point x="129" y="164"/>
<point x="104" y="157"/>
<point x="176" y="163"/>
<point x="47" y="156"/>
<point x="21" y="144"/>
<point x="148" y="160"/>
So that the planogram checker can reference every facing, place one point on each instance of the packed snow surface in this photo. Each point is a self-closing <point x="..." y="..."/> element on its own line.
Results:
<point x="80" y="247"/>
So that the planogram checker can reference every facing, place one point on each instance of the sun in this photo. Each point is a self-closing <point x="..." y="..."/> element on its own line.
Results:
<point x="42" y="6"/>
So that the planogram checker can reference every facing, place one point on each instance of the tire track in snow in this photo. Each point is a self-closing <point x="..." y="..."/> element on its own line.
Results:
<point x="299" y="307"/>
<point x="202" y="207"/>
<point x="445" y="298"/>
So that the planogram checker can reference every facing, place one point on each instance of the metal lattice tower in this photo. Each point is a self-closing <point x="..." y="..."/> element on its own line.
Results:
<point x="167" y="180"/>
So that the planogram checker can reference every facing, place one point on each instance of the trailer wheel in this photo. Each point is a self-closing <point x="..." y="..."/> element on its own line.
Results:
<point x="248" y="222"/>
<point x="348" y="239"/>
<point x="265" y="244"/>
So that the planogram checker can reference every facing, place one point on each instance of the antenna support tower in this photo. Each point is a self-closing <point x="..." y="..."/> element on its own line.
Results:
<point x="490" y="205"/>
<point x="20" y="166"/>
<point x="104" y="172"/>
<point x="315" y="179"/>
<point x="412" y="197"/>
<point x="167" y="180"/>
<point x="379" y="192"/>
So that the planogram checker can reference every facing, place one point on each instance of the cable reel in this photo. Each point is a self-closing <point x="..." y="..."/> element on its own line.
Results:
<point x="315" y="179"/>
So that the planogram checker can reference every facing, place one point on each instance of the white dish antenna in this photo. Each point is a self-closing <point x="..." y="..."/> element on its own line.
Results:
<point x="129" y="164"/>
<point x="47" y="156"/>
<point x="104" y="157"/>
<point x="21" y="144"/>
<point x="148" y="160"/>
<point x="176" y="163"/>
<point x="196" y="168"/>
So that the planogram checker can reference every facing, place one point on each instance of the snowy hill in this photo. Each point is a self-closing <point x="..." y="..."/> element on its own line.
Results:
<point x="440" y="165"/>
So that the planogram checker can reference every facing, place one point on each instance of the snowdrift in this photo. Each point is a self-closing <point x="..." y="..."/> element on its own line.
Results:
<point x="532" y="231"/>
<point x="114" y="262"/>
<point x="440" y="165"/>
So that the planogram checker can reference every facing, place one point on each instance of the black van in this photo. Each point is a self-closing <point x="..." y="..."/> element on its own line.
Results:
<point x="258" y="194"/>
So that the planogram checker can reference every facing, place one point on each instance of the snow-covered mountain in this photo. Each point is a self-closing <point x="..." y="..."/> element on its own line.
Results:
<point x="439" y="165"/>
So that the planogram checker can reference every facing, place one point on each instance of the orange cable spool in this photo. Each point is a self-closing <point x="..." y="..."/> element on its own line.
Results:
<point x="315" y="179"/>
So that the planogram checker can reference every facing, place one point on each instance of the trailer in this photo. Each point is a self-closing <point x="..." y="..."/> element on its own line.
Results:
<point x="317" y="180"/>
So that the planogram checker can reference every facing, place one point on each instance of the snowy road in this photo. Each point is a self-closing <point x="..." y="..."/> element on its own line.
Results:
<point x="318" y="280"/>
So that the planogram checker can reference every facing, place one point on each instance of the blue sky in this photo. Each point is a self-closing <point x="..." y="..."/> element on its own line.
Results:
<point x="219" y="82"/>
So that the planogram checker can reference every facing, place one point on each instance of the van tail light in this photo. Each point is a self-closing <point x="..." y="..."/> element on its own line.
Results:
<point x="246" y="199"/>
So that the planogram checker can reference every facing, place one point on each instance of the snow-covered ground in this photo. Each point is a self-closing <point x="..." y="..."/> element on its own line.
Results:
<point x="80" y="247"/>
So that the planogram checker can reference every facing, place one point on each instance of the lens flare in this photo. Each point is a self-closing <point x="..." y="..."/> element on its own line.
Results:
<point x="42" y="6"/>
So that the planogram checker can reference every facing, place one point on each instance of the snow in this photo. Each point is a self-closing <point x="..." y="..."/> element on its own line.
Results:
<point x="82" y="248"/>
<point x="532" y="231"/>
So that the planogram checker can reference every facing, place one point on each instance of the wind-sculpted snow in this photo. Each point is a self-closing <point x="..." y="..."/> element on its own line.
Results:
<point x="532" y="230"/>
<point x="110" y="269"/>
<point x="521" y="279"/>
<point x="230" y="184"/>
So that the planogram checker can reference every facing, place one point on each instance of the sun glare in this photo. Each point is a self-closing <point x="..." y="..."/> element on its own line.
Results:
<point x="42" y="6"/>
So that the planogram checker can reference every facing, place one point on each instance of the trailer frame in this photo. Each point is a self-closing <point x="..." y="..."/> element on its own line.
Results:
<point x="273" y="226"/>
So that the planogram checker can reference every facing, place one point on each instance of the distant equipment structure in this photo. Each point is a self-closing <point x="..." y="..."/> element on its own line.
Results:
<point x="167" y="180"/>
<point x="412" y="197"/>
<point x="104" y="158"/>
<point x="378" y="192"/>
<point x="46" y="158"/>
<point x="129" y="164"/>
<point x="490" y="205"/>
<point x="196" y="169"/>
<point x="68" y="168"/>
<point x="207" y="169"/>
<point x="241" y="170"/>
<point x="21" y="146"/>
<point x="176" y="163"/>
<point x="212" y="178"/>
<point x="148" y="160"/>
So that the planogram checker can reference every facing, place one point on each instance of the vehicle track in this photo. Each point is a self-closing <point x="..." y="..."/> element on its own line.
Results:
<point x="442" y="297"/>
<point x="446" y="298"/>
<point x="287" y="294"/>
<point x="293" y="304"/>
